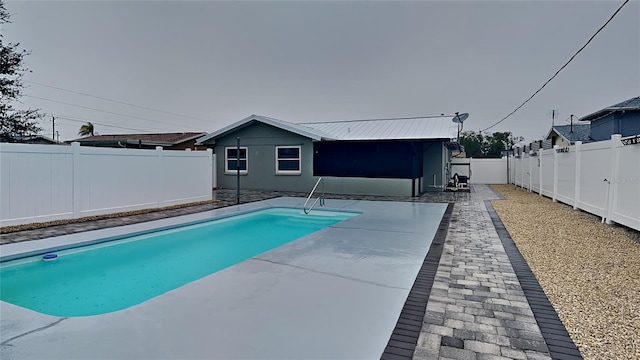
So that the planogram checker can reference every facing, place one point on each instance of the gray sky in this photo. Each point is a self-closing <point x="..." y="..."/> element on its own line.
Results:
<point x="218" y="62"/>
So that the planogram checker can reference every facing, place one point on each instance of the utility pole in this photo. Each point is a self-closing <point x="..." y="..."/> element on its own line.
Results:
<point x="553" y="118"/>
<point x="53" y="130"/>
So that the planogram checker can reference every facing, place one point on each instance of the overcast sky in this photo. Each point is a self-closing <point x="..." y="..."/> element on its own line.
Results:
<point x="215" y="63"/>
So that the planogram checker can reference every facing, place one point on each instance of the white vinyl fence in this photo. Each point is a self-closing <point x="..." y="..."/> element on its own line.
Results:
<point x="50" y="182"/>
<point x="602" y="177"/>
<point x="481" y="171"/>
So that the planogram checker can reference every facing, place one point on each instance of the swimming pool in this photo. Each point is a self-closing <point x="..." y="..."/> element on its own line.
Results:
<point x="118" y="274"/>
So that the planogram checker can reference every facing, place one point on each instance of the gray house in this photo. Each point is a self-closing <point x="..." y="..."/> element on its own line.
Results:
<point x="622" y="118"/>
<point x="565" y="135"/>
<point x="401" y="157"/>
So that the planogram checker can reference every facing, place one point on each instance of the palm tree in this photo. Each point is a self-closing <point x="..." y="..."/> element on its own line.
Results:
<point x="86" y="129"/>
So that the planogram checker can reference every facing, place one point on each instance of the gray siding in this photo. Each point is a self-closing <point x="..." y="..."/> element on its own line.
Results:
<point x="261" y="141"/>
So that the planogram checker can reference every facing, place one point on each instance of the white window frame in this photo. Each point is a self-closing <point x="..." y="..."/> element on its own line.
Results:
<point x="289" y="172"/>
<point x="226" y="160"/>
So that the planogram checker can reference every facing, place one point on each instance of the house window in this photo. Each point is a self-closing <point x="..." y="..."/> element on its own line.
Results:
<point x="231" y="160"/>
<point x="288" y="160"/>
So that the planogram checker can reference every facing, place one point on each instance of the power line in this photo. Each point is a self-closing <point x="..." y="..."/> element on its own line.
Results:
<point x="104" y="111"/>
<point x="100" y="122"/>
<point x="112" y="100"/>
<point x="96" y="123"/>
<point x="563" y="66"/>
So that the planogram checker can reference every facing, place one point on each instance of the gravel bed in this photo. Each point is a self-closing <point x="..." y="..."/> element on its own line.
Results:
<point x="590" y="271"/>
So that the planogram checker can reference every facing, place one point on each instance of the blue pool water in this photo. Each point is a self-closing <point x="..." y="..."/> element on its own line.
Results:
<point x="115" y="275"/>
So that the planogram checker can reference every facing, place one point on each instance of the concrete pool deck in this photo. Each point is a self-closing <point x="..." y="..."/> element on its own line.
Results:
<point x="322" y="297"/>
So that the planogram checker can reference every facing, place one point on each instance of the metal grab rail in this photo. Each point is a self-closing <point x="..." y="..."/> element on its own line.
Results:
<point x="320" y="198"/>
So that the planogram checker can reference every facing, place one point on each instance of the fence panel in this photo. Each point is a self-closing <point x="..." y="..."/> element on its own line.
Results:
<point x="512" y="169"/>
<point x="566" y="176"/>
<point x="519" y="171"/>
<point x="50" y="182"/>
<point x="489" y="171"/>
<point x="595" y="167"/>
<point x="626" y="209"/>
<point x="602" y="178"/>
<point x="113" y="180"/>
<point x="546" y="159"/>
<point x="187" y="176"/>
<point x="36" y="181"/>
<point x="535" y="173"/>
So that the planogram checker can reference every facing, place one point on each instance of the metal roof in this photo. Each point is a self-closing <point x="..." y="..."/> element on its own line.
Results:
<point x="422" y="128"/>
<point x="302" y="130"/>
<point x="631" y="104"/>
<point x="390" y="129"/>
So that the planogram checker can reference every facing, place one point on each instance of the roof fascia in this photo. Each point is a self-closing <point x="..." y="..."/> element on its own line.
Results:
<point x="246" y="121"/>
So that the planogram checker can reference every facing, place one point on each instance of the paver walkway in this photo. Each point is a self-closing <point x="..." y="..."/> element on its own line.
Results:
<point x="477" y="308"/>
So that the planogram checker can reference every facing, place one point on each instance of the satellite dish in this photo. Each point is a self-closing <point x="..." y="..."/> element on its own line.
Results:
<point x="459" y="118"/>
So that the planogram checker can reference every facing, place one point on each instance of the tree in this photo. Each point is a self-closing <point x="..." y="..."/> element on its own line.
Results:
<point x="86" y="129"/>
<point x="478" y="145"/>
<point x="501" y="141"/>
<point x="13" y="122"/>
<point x="473" y="143"/>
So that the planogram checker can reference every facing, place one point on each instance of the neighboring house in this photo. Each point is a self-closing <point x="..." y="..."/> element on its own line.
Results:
<point x="35" y="139"/>
<point x="565" y="135"/>
<point x="377" y="157"/>
<point x="169" y="141"/>
<point x="622" y="118"/>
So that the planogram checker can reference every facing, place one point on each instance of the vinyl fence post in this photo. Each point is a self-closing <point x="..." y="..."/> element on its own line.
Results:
<point x="521" y="162"/>
<point x="75" y="149"/>
<point x="522" y="170"/>
<point x="212" y="172"/>
<point x="540" y="153"/>
<point x="576" y="193"/>
<point x="530" y="172"/>
<point x="519" y="174"/>
<point x="514" y="170"/>
<point x="555" y="173"/>
<point x="615" y="168"/>
<point x="160" y="191"/>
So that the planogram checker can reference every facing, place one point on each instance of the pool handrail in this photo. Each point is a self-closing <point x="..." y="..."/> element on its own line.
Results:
<point x="320" y="198"/>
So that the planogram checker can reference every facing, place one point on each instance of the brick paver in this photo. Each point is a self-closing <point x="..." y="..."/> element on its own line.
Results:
<point x="477" y="308"/>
